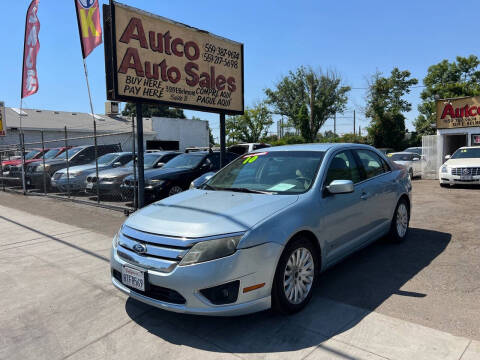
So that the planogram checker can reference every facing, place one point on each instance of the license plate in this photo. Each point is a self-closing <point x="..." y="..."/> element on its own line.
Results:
<point x="89" y="185"/>
<point x="466" y="177"/>
<point x="133" y="278"/>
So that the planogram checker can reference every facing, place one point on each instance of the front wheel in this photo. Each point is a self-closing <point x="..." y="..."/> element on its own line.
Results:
<point x="400" y="221"/>
<point x="295" y="276"/>
<point x="175" y="189"/>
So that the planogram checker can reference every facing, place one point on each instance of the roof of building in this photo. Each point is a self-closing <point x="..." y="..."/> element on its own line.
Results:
<point x="33" y="119"/>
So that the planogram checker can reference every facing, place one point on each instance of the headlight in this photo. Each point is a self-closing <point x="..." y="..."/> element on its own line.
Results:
<point x="115" y="240"/>
<point x="211" y="249"/>
<point x="155" y="182"/>
<point x="444" y="169"/>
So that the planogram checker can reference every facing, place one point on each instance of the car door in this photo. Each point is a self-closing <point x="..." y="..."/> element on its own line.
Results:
<point x="343" y="215"/>
<point x="378" y="192"/>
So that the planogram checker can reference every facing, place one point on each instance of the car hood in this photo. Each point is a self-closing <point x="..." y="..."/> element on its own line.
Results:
<point x="201" y="213"/>
<point x="82" y="168"/>
<point x="463" y="162"/>
<point x="116" y="172"/>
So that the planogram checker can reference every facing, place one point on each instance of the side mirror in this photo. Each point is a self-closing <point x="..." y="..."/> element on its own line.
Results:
<point x="416" y="159"/>
<point x="447" y="157"/>
<point x="340" y="187"/>
<point x="160" y="164"/>
<point x="117" y="164"/>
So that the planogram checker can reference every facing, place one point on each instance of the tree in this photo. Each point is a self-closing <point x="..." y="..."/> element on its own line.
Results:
<point x="251" y="126"/>
<point x="211" y="139"/>
<point x="149" y="110"/>
<point x="385" y="107"/>
<point x="446" y="80"/>
<point x="308" y="99"/>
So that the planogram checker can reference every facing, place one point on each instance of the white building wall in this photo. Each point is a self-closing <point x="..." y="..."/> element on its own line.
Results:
<point x="188" y="132"/>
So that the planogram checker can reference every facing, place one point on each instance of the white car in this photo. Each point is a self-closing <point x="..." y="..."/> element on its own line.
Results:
<point x="463" y="167"/>
<point x="409" y="160"/>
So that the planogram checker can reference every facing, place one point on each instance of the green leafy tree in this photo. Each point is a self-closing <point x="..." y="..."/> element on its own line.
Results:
<point x="149" y="110"/>
<point x="385" y="107"/>
<point x="251" y="126"/>
<point x="446" y="80"/>
<point x="211" y="139"/>
<point x="308" y="98"/>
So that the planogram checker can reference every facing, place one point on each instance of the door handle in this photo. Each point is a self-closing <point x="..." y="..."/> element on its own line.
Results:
<point x="364" y="196"/>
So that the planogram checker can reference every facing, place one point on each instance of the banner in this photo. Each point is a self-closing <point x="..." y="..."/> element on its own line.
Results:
<point x="89" y="28"/>
<point x="152" y="59"/>
<point x="3" y="124"/>
<point x="458" y="113"/>
<point x="31" y="46"/>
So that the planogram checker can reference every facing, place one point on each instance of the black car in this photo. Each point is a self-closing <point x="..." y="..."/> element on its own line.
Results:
<point x="176" y="175"/>
<point x="111" y="179"/>
<point x="79" y="155"/>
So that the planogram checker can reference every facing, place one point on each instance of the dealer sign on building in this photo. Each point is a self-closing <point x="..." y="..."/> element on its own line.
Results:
<point x="458" y="113"/>
<point x="156" y="60"/>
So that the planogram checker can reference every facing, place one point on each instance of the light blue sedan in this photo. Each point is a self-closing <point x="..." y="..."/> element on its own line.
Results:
<point x="259" y="232"/>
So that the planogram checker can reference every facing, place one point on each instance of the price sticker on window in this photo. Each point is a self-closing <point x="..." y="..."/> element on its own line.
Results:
<point x="251" y="158"/>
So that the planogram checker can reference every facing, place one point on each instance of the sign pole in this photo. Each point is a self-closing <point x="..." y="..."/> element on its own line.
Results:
<point x="22" y="146"/>
<point x="222" y="140"/>
<point x="141" y="178"/>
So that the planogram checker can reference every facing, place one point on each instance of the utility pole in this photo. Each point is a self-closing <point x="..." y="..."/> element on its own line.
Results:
<point x="335" y="124"/>
<point x="359" y="130"/>
<point x="354" y="122"/>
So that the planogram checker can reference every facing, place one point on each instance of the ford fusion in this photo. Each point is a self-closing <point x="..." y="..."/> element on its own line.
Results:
<point x="258" y="233"/>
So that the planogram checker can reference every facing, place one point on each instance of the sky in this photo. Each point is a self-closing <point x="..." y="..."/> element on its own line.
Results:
<point x="354" y="38"/>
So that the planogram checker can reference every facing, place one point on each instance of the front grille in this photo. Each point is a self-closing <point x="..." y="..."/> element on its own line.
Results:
<point x="151" y="251"/>
<point x="466" y="171"/>
<point x="155" y="292"/>
<point x="92" y="179"/>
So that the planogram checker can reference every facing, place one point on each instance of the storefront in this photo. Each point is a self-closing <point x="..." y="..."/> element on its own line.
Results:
<point x="458" y="123"/>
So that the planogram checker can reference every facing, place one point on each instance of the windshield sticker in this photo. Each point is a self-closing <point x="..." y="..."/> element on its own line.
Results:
<point x="281" y="187"/>
<point x="389" y="155"/>
<point x="255" y="154"/>
<point x="250" y="159"/>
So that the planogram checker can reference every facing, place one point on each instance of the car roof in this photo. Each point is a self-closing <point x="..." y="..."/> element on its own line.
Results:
<point x="468" y="147"/>
<point x="323" y="147"/>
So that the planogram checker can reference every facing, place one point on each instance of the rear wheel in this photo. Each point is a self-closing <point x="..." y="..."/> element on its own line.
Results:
<point x="401" y="218"/>
<point x="295" y="276"/>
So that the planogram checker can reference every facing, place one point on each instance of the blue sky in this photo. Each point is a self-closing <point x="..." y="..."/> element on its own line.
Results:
<point x="354" y="38"/>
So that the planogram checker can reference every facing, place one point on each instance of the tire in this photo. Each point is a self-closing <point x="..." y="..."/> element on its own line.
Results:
<point x="411" y="173"/>
<point x="401" y="218"/>
<point x="283" y="300"/>
<point x="175" y="189"/>
<point x="444" y="185"/>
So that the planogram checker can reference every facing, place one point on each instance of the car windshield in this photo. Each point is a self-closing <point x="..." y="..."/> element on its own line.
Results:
<point x="401" y="157"/>
<point x="69" y="152"/>
<point x="184" y="161"/>
<point x="276" y="172"/>
<point x="30" y="155"/>
<point x="106" y="159"/>
<point x="466" y="153"/>
<point x="50" y="154"/>
<point x="148" y="160"/>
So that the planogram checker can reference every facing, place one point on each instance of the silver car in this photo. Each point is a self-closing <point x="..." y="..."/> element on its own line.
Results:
<point x="259" y="232"/>
<point x="411" y="161"/>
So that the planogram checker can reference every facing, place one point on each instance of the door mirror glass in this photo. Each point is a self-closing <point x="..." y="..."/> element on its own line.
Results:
<point x="416" y="159"/>
<point x="340" y="187"/>
<point x="447" y="157"/>
<point x="160" y="164"/>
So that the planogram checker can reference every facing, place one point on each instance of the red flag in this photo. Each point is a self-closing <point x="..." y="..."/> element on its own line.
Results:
<point x="88" y="18"/>
<point x="31" y="46"/>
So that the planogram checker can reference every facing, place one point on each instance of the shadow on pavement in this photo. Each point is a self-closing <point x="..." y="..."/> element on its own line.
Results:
<point x="344" y="295"/>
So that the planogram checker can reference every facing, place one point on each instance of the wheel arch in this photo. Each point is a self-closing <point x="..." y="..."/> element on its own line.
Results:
<point x="314" y="241"/>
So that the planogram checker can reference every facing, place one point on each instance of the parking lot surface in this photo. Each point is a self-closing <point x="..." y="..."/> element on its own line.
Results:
<point x="415" y="300"/>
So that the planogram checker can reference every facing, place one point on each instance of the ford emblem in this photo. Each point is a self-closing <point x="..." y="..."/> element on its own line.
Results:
<point x="140" y="248"/>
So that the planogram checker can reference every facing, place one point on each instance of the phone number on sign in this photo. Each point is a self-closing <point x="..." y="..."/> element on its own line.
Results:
<point x="219" y="55"/>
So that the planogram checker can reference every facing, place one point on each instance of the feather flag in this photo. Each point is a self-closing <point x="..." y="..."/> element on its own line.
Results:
<point x="88" y="18"/>
<point x="31" y="46"/>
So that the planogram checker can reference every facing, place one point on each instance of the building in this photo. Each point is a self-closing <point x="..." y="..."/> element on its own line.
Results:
<point x="159" y="133"/>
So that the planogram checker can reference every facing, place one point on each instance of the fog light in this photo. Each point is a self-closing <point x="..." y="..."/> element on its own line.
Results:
<point x="222" y="294"/>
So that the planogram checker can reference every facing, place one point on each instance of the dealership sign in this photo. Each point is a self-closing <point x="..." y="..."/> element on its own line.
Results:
<point x="458" y="113"/>
<point x="155" y="60"/>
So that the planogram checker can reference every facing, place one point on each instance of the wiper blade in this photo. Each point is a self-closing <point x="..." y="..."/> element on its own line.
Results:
<point x="246" y="190"/>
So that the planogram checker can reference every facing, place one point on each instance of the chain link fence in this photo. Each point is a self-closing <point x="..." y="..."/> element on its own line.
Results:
<point x="99" y="170"/>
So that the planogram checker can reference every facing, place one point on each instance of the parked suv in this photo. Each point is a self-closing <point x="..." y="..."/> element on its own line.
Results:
<point x="260" y="231"/>
<point x="79" y="155"/>
<point x="176" y="175"/>
<point x="77" y="175"/>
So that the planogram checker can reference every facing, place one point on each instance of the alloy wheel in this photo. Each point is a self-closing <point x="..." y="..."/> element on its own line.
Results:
<point x="402" y="220"/>
<point x="298" y="275"/>
<point x="175" y="190"/>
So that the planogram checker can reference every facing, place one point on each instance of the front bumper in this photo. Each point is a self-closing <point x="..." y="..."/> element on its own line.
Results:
<point x="105" y="188"/>
<point x="250" y="266"/>
<point x="75" y="183"/>
<point x="448" y="178"/>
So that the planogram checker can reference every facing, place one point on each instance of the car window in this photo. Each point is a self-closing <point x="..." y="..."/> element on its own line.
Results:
<point x="467" y="153"/>
<point x="259" y="146"/>
<point x="371" y="163"/>
<point x="402" y="157"/>
<point x="125" y="159"/>
<point x="343" y="167"/>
